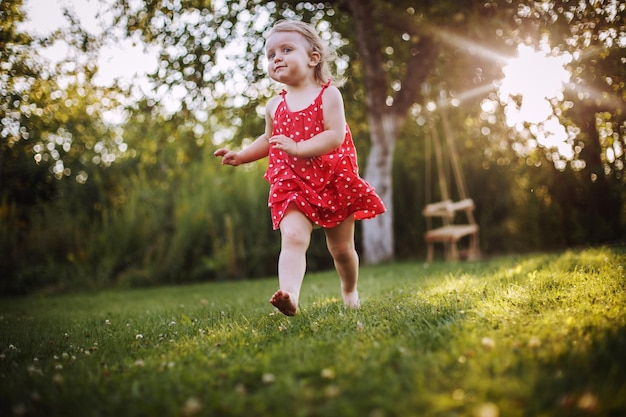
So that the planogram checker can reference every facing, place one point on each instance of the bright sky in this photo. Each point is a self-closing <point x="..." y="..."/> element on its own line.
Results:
<point x="119" y="61"/>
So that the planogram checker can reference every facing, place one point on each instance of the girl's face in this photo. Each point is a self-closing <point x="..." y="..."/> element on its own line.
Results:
<point x="289" y="58"/>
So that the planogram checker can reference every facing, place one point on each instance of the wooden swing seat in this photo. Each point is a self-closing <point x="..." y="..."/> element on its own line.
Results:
<point x="450" y="234"/>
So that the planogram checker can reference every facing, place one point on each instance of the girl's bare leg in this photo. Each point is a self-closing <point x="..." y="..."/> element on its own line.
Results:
<point x="295" y="231"/>
<point x="340" y="242"/>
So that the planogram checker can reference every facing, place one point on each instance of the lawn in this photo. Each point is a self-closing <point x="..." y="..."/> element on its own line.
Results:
<point x="532" y="335"/>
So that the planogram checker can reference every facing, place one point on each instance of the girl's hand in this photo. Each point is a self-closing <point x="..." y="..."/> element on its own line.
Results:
<point x="285" y="144"/>
<point x="228" y="157"/>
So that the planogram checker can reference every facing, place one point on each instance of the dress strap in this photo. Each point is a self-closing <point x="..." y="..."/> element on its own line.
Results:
<point x="283" y="92"/>
<point x="324" y="87"/>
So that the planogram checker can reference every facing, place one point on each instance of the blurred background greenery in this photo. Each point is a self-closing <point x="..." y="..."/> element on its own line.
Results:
<point x="101" y="186"/>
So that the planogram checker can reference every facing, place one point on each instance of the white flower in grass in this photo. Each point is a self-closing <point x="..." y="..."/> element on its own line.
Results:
<point x="328" y="373"/>
<point x="33" y="370"/>
<point x="487" y="410"/>
<point x="534" y="342"/>
<point x="458" y="394"/>
<point x="588" y="402"/>
<point x="240" y="389"/>
<point x="139" y="336"/>
<point x="268" y="378"/>
<point x="191" y="407"/>
<point x="107" y="322"/>
<point x="332" y="391"/>
<point x="488" y="343"/>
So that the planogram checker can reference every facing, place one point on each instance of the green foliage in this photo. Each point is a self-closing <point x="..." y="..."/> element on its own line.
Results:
<point x="527" y="335"/>
<point x="85" y="204"/>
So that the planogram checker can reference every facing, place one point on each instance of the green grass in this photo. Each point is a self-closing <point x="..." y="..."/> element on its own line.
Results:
<point x="536" y="335"/>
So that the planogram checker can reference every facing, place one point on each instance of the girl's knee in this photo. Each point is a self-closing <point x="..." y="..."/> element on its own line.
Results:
<point x="295" y="237"/>
<point x="295" y="229"/>
<point x="343" y="253"/>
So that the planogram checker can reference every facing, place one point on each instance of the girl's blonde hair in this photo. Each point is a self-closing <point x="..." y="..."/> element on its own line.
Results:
<point x="323" y="73"/>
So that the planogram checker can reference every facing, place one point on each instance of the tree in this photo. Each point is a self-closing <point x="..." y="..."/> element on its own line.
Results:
<point x="393" y="57"/>
<point x="594" y="32"/>
<point x="386" y="112"/>
<point x="593" y="106"/>
<point x="52" y="112"/>
<point x="17" y="68"/>
<point x="214" y="51"/>
<point x="53" y="137"/>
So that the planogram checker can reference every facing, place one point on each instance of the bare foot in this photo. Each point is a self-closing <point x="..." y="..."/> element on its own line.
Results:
<point x="283" y="302"/>
<point x="351" y="299"/>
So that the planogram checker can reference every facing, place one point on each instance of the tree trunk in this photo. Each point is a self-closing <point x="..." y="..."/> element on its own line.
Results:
<point x="385" y="120"/>
<point x="378" y="240"/>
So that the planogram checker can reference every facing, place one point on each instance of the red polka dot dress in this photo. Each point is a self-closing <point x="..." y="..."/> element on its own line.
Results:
<point x="326" y="189"/>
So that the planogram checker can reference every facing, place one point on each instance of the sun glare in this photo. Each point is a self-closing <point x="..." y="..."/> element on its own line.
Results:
<point x="535" y="78"/>
<point x="532" y="82"/>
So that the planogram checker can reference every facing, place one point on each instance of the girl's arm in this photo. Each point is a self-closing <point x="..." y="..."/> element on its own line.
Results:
<point x="257" y="149"/>
<point x="326" y="141"/>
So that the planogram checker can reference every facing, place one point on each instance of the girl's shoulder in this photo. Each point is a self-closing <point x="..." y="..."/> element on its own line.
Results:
<point x="332" y="101"/>
<point x="272" y="105"/>
<point x="332" y="94"/>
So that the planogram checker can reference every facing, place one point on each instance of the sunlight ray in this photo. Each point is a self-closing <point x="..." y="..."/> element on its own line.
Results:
<point x="531" y="81"/>
<point x="610" y="101"/>
<point x="473" y="48"/>
<point x="477" y="91"/>
<point x="455" y="99"/>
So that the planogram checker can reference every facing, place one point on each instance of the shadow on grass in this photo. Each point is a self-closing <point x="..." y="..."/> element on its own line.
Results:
<point x="587" y="381"/>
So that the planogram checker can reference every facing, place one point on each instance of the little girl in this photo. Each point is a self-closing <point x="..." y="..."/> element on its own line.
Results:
<point x="312" y="171"/>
